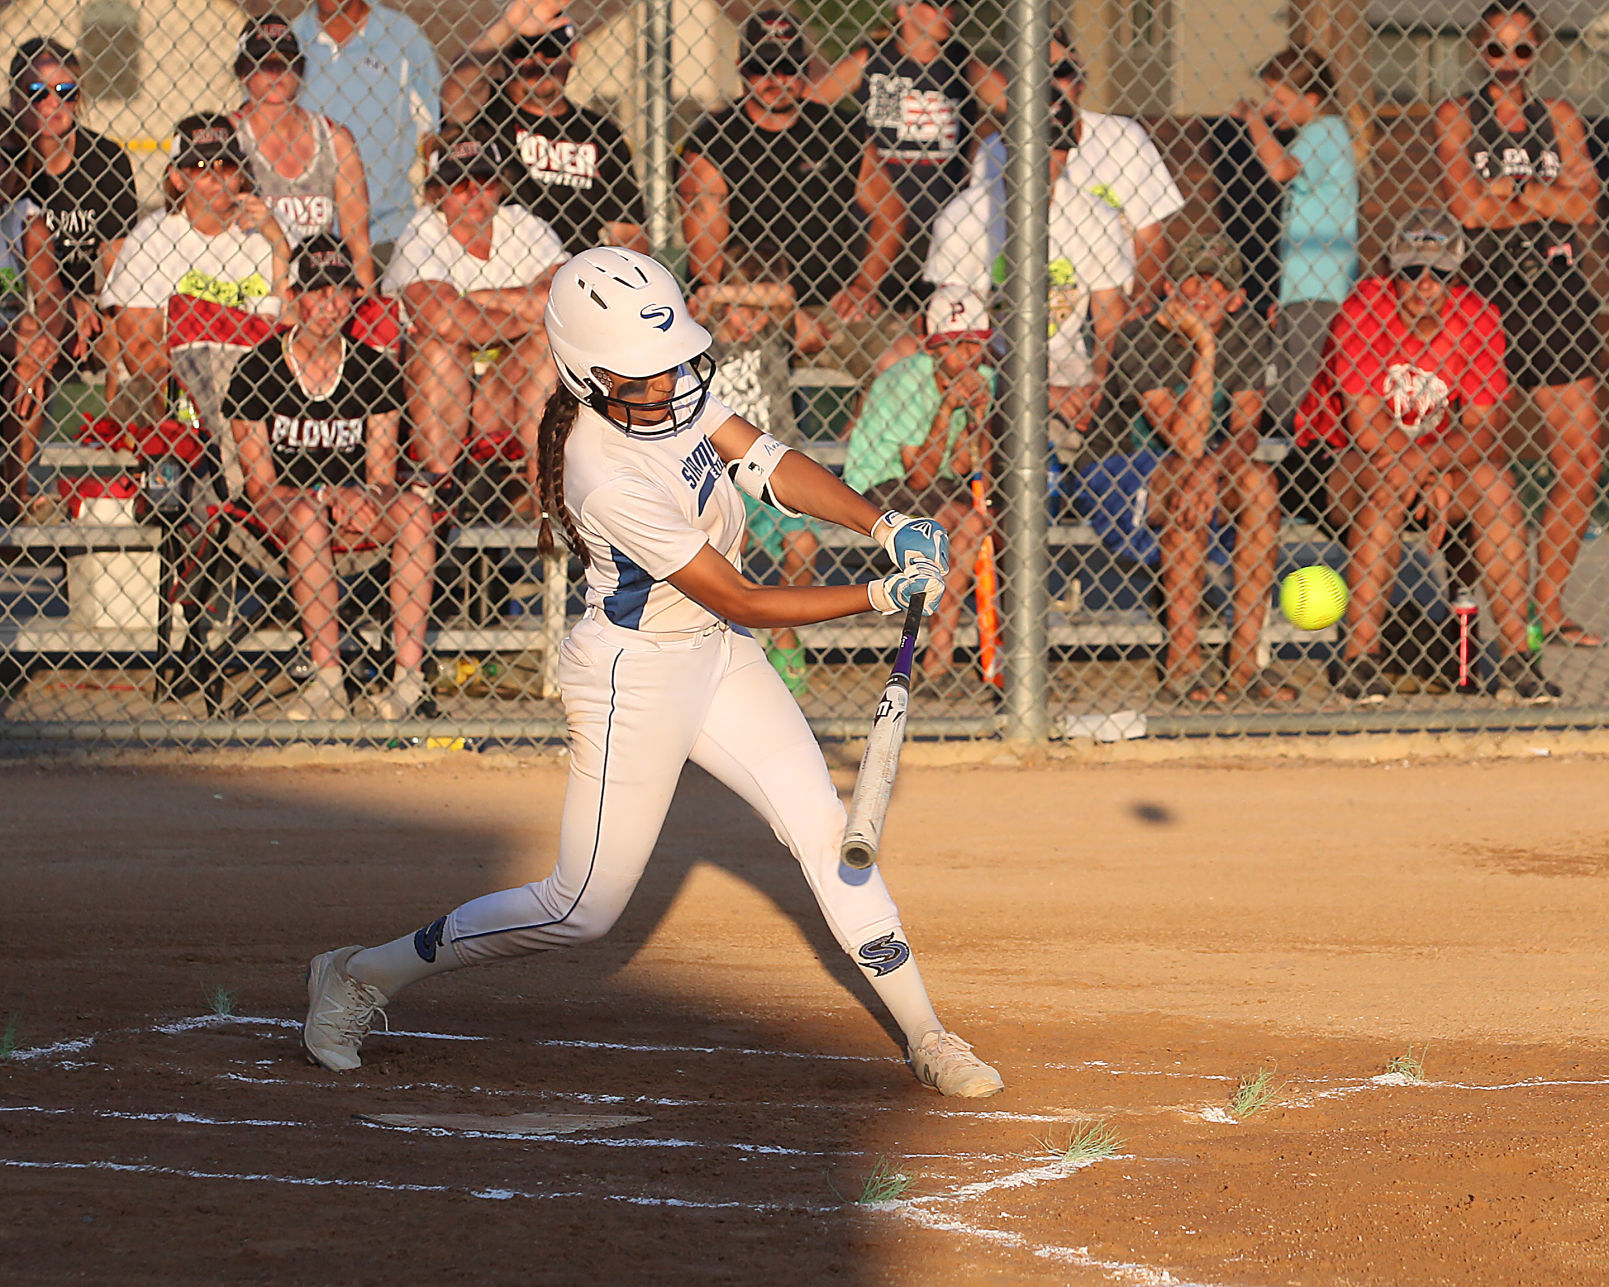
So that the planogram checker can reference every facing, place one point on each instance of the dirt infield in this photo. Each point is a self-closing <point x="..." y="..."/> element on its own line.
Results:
<point x="1126" y="943"/>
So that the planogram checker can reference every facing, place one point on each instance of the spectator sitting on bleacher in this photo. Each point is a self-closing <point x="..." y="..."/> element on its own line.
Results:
<point x="473" y="273"/>
<point x="1318" y="249"/>
<point x="217" y="243"/>
<point x="776" y="169"/>
<point x="752" y="317"/>
<point x="1114" y="159"/>
<point x="1088" y="272"/>
<point x="921" y="92"/>
<point x="1187" y="381"/>
<point x="1410" y="400"/>
<point x="306" y="166"/>
<point x="315" y="419"/>
<point x="921" y="434"/>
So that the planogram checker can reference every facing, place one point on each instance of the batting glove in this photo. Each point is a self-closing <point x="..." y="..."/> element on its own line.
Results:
<point x="893" y="593"/>
<point x="907" y="539"/>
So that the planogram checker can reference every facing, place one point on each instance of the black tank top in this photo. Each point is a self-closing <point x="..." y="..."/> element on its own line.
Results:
<point x="917" y="112"/>
<point x="1524" y="155"/>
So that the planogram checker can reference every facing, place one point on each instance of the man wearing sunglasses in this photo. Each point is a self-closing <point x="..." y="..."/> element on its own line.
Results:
<point x="1410" y="401"/>
<point x="572" y="166"/>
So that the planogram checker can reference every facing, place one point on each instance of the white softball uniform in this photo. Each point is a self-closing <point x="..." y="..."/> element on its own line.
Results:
<point x="651" y="679"/>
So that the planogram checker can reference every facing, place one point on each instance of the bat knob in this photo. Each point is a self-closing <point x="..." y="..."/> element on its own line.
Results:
<point x="858" y="854"/>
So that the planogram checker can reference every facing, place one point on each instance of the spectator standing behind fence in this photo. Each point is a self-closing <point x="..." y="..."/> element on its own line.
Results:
<point x="921" y="92"/>
<point x="303" y="164"/>
<point x="371" y="69"/>
<point x="1318" y="248"/>
<point x="1086" y="276"/>
<point x="570" y="166"/>
<point x="1517" y="175"/>
<point x="921" y="434"/>
<point x="315" y="419"/>
<point x="778" y="170"/>
<point x="1188" y="380"/>
<point x="217" y="243"/>
<point x="1410" y="400"/>
<point x="752" y="316"/>
<point x="473" y="272"/>
<point x="1114" y="159"/>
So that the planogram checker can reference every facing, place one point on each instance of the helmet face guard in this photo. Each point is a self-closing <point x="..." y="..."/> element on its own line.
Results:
<point x="681" y="409"/>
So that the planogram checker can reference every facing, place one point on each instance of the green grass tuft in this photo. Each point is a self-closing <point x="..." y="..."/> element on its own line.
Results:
<point x="221" y="1001"/>
<point x="886" y="1183"/>
<point x="1410" y="1065"/>
<point x="1087" y="1143"/>
<point x="8" y="1038"/>
<point x="1254" y="1093"/>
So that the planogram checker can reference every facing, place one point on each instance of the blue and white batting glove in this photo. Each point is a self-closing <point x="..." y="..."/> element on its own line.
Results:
<point x="893" y="593"/>
<point x="906" y="539"/>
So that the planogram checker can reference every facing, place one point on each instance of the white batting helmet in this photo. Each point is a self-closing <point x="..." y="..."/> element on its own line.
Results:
<point x="622" y="311"/>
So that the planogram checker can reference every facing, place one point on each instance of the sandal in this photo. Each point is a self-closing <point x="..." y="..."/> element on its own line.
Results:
<point x="1572" y="634"/>
<point x="1264" y="687"/>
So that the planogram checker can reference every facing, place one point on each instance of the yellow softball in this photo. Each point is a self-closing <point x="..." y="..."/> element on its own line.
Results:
<point x="1313" y="598"/>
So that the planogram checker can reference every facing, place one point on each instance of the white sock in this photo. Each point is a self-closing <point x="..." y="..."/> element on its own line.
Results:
<point x="393" y="966"/>
<point x="331" y="678"/>
<point x="904" y="993"/>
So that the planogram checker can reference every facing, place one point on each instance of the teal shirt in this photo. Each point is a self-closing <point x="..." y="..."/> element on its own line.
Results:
<point x="899" y="411"/>
<point x="1319" y="246"/>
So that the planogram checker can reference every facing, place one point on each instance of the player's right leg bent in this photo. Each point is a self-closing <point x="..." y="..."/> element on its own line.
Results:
<point x="634" y="707"/>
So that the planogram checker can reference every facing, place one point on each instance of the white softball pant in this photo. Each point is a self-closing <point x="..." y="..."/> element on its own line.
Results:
<point x="639" y="706"/>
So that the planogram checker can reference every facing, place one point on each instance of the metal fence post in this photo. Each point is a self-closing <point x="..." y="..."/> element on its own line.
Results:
<point x="657" y="88"/>
<point x="1026" y="368"/>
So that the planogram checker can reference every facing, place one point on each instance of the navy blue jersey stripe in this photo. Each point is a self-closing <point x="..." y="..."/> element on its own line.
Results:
<point x="625" y="603"/>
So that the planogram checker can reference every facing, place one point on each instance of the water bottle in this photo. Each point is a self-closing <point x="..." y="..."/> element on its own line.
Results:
<point x="1533" y="630"/>
<point x="1465" y="609"/>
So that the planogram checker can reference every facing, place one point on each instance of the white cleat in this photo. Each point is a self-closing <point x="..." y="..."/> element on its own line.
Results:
<point x="340" y="1011"/>
<point x="946" y="1063"/>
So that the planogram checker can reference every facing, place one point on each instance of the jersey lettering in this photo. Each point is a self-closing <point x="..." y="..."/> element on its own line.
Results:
<point x="302" y="216"/>
<point x="296" y="433"/>
<point x="560" y="162"/>
<point x="701" y="469"/>
<point x="883" y="955"/>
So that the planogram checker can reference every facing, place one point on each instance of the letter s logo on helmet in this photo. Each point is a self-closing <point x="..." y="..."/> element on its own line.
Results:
<point x="615" y="310"/>
<point x="660" y="316"/>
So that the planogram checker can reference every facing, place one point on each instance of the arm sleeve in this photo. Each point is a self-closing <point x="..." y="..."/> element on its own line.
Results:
<point x="1485" y="380"/>
<point x="644" y="524"/>
<point x="1154" y="195"/>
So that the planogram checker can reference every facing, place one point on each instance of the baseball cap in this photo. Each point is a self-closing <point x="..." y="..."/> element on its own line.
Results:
<point x="955" y="312"/>
<point x="464" y="158"/>
<point x="323" y="260"/>
<point x="1199" y="255"/>
<point x="772" y="42"/>
<point x="267" y="40"/>
<point x="1429" y="238"/>
<point x="203" y="138"/>
<point x="556" y="42"/>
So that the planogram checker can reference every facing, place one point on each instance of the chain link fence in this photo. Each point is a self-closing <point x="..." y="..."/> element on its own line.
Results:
<point x="1151" y="303"/>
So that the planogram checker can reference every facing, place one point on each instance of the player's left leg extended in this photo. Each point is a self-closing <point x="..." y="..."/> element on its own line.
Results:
<point x="756" y="741"/>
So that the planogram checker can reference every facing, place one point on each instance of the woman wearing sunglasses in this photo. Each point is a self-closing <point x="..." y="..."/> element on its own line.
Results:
<point x="304" y="165"/>
<point x="84" y="185"/>
<point x="1516" y="173"/>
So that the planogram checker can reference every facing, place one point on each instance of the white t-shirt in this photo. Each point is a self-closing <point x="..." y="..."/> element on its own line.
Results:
<point x="1090" y="250"/>
<point x="645" y="508"/>
<point x="1116" y="161"/>
<point x="165" y="255"/>
<point x="523" y="248"/>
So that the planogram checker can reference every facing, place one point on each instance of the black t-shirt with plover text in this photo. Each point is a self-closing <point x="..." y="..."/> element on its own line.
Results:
<point x="574" y="170"/>
<point x="314" y="440"/>
<point x="90" y="203"/>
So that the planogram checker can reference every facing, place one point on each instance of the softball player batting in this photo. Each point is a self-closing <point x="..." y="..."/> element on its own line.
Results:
<point x="642" y="468"/>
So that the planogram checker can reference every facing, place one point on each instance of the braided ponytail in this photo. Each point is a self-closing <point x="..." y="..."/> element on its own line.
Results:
<point x="557" y="420"/>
